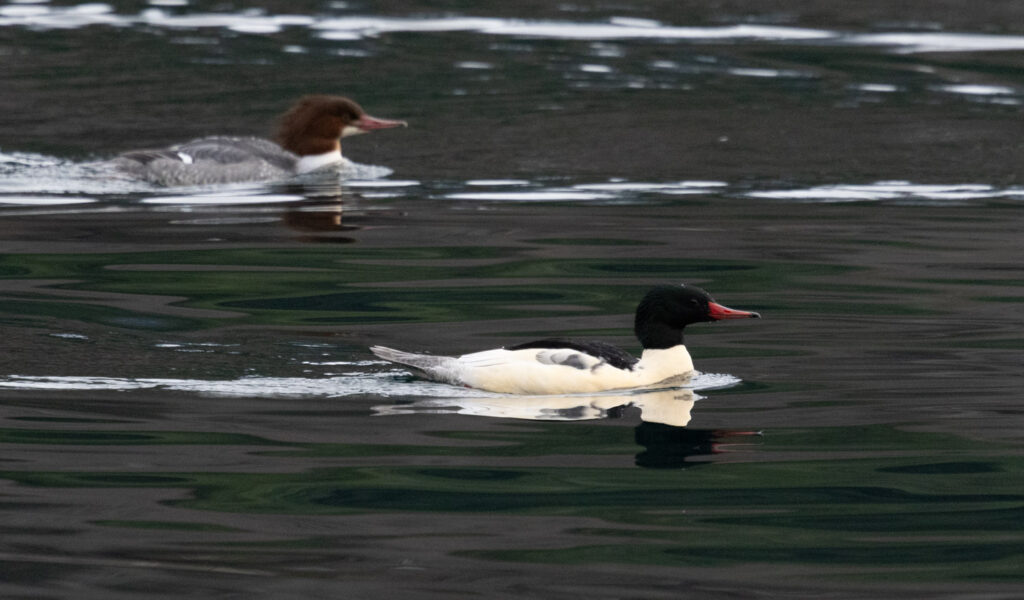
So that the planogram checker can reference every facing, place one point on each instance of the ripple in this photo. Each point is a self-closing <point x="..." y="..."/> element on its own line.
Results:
<point x="382" y="384"/>
<point x="602" y="191"/>
<point x="679" y="187"/>
<point x="27" y="174"/>
<point x="47" y="17"/>
<point x="537" y="196"/>
<point x="390" y="383"/>
<point x="244" y="22"/>
<point x="70" y="336"/>
<point x="766" y="73"/>
<point x="382" y="183"/>
<point x="986" y="93"/>
<point x="978" y="90"/>
<point x="497" y="182"/>
<point x="617" y="28"/>
<point x="353" y="28"/>
<point x="877" y="88"/>
<point x="891" y="190"/>
<point x="43" y="200"/>
<point x="474" y="65"/>
<point x="914" y="42"/>
<point x="28" y="178"/>
<point x="225" y="199"/>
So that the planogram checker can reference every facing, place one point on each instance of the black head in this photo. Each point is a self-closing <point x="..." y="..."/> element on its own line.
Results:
<point x="666" y="310"/>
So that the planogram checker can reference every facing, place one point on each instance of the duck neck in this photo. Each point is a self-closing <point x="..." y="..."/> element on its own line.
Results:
<point x="312" y="162"/>
<point x="658" y="336"/>
<point x="665" y="365"/>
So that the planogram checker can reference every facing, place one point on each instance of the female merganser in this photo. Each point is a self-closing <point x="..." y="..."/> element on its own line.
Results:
<point x="561" y="366"/>
<point x="308" y="138"/>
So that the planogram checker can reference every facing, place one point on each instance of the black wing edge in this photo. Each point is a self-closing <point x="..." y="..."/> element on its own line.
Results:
<point x="609" y="353"/>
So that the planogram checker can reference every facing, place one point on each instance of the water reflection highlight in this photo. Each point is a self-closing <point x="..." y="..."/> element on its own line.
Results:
<point x="668" y="406"/>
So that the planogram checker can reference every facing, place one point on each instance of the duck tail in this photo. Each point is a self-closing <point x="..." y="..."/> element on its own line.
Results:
<point x="434" y="367"/>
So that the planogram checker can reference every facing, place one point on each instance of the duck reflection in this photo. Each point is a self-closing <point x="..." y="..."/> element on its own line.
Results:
<point x="664" y="414"/>
<point x="669" y="407"/>
<point x="318" y="219"/>
<point x="668" y="447"/>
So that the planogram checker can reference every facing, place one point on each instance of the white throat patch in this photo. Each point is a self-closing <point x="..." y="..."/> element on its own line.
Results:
<point x="351" y="130"/>
<point x="312" y="162"/>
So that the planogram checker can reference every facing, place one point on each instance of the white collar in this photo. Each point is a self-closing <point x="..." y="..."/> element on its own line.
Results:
<point x="312" y="162"/>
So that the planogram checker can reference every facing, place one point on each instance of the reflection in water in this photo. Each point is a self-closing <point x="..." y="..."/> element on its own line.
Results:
<point x="663" y="434"/>
<point x="668" y="406"/>
<point x="317" y="218"/>
<point x="321" y="214"/>
<point x="668" y="447"/>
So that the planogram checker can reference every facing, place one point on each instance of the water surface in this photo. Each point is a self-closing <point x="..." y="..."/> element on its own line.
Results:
<point x="188" y="405"/>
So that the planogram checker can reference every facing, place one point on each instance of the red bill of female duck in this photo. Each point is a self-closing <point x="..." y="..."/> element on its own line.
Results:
<point x="308" y="138"/>
<point x="566" y="366"/>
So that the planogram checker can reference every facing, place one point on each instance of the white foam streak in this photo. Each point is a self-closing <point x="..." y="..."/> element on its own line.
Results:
<point x="891" y="190"/>
<point x="246" y="22"/>
<point x="912" y="42"/>
<point x="877" y="88"/>
<point x="497" y="182"/>
<point x="225" y="199"/>
<point x="345" y="385"/>
<point x="24" y="174"/>
<point x="386" y="384"/>
<point x="27" y="178"/>
<point x="43" y="200"/>
<point x="537" y="196"/>
<point x="620" y="28"/>
<point x="978" y="90"/>
<point x="639" y="186"/>
<point x="39" y="16"/>
<point x="612" y="190"/>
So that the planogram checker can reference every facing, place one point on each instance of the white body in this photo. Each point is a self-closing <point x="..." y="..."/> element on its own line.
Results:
<point x="546" y="371"/>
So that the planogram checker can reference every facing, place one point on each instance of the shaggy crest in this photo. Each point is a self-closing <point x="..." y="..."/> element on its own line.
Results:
<point x="314" y="124"/>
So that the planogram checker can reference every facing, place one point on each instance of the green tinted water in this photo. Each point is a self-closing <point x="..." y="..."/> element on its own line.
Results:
<point x="188" y="406"/>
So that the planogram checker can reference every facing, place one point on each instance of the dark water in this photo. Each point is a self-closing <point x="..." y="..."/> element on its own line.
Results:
<point x="189" y="408"/>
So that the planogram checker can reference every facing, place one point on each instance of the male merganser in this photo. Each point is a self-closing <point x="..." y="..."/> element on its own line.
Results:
<point x="562" y="366"/>
<point x="308" y="138"/>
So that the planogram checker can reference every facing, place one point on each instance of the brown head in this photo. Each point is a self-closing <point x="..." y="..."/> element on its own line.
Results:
<point x="316" y="124"/>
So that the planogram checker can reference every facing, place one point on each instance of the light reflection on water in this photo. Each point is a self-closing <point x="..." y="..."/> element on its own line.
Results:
<point x="898" y="191"/>
<point x="670" y="406"/>
<point x="32" y="180"/>
<point x="617" y="28"/>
